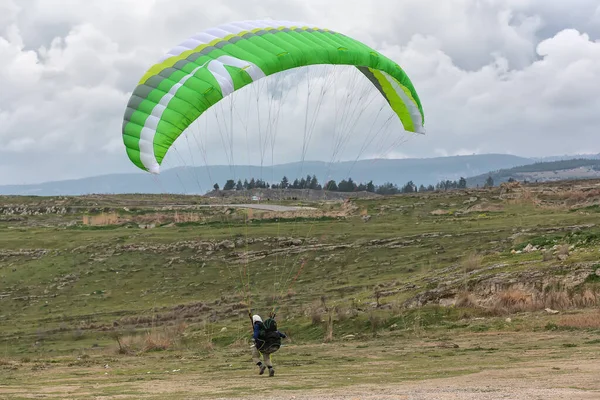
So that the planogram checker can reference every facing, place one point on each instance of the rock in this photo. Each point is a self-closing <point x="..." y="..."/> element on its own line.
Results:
<point x="562" y="257"/>
<point x="447" y="302"/>
<point x="226" y="244"/>
<point x="224" y="329"/>
<point x="439" y="212"/>
<point x="508" y="320"/>
<point x="366" y="218"/>
<point x="551" y="311"/>
<point x="448" y="345"/>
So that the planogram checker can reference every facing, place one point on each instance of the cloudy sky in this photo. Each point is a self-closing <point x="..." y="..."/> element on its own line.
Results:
<point x="502" y="76"/>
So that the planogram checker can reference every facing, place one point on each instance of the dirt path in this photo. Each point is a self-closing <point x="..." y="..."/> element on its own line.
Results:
<point x="267" y="207"/>
<point x="568" y="380"/>
<point x="484" y="366"/>
<point x="574" y="380"/>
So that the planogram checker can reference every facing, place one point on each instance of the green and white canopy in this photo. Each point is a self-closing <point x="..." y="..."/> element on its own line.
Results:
<point x="211" y="65"/>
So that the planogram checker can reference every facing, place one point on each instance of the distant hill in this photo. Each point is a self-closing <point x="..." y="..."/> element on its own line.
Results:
<point x="199" y="180"/>
<point x="567" y="157"/>
<point x="580" y="168"/>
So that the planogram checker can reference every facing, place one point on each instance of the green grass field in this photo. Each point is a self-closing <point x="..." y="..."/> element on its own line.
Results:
<point x="372" y="293"/>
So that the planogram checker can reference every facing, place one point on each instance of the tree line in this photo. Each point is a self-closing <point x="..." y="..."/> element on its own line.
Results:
<point x="346" y="185"/>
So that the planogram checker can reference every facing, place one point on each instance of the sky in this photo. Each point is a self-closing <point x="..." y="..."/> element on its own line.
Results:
<point x="495" y="76"/>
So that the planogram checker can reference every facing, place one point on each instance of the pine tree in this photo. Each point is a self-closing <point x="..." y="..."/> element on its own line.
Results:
<point x="351" y="185"/>
<point x="284" y="183"/>
<point x="370" y="187"/>
<point x="343" y="186"/>
<point x="229" y="185"/>
<point x="409" y="187"/>
<point x="331" y="186"/>
<point x="387" y="188"/>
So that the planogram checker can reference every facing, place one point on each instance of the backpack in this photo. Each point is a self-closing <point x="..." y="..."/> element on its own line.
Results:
<point x="270" y="325"/>
<point x="270" y="337"/>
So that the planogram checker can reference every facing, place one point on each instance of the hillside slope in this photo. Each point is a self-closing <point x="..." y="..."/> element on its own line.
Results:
<point x="542" y="172"/>
<point x="74" y="269"/>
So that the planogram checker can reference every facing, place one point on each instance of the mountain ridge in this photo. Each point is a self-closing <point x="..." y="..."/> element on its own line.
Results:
<point x="199" y="180"/>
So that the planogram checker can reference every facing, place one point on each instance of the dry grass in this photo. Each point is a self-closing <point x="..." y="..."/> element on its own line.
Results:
<point x="316" y="311"/>
<point x="508" y="187"/>
<point x="563" y="250"/>
<point x="155" y="339"/>
<point x="574" y="197"/>
<point x="192" y="310"/>
<point x="207" y="343"/>
<point x="329" y="330"/>
<point x="465" y="300"/>
<point x="187" y="217"/>
<point x="472" y="262"/>
<point x="124" y="344"/>
<point x="557" y="300"/>
<point x="580" y="321"/>
<point x="316" y="317"/>
<point x="524" y="197"/>
<point x="514" y="301"/>
<point x="375" y="322"/>
<point x="587" y="298"/>
<point x="345" y="313"/>
<point x="4" y="362"/>
<point x="101" y="220"/>
<point x="578" y="196"/>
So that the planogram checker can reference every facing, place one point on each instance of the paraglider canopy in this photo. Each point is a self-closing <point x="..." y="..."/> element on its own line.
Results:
<point x="206" y="67"/>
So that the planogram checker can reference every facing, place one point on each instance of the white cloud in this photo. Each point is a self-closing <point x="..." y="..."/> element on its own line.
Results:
<point x="527" y="111"/>
<point x="517" y="76"/>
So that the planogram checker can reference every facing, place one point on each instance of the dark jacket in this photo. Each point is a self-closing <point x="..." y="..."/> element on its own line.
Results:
<point x="257" y="331"/>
